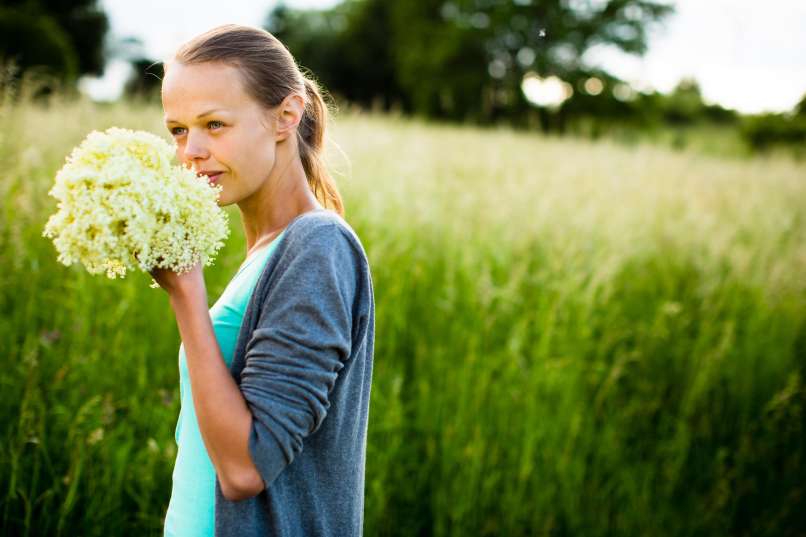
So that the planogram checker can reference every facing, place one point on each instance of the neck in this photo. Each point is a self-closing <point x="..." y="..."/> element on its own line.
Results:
<point x="284" y="196"/>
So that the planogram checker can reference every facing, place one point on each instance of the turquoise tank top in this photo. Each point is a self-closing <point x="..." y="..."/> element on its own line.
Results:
<point x="191" y="509"/>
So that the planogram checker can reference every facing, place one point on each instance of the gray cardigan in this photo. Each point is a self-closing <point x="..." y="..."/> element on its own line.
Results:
<point x="303" y="361"/>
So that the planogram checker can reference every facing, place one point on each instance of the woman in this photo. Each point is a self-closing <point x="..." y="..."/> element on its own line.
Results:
<point x="275" y="377"/>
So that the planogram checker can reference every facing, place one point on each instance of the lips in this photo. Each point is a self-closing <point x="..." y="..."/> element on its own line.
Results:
<point x="212" y="176"/>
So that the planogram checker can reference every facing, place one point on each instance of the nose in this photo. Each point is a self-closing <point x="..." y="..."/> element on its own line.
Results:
<point x="195" y="149"/>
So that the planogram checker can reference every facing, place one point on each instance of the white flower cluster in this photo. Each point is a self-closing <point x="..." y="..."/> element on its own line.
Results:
<point x="124" y="205"/>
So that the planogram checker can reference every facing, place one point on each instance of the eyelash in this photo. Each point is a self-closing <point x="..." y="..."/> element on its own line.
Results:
<point x="174" y="133"/>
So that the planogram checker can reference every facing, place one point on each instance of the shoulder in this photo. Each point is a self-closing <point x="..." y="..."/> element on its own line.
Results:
<point x="322" y="231"/>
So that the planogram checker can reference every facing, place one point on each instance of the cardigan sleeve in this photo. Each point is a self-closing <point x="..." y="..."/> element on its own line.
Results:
<point x="302" y="339"/>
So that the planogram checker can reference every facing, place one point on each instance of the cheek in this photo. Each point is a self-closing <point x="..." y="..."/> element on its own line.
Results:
<point x="259" y="157"/>
<point x="249" y="156"/>
<point x="180" y="154"/>
<point x="230" y="155"/>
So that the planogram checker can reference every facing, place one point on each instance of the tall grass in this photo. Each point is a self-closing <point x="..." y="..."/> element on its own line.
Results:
<point x="572" y="338"/>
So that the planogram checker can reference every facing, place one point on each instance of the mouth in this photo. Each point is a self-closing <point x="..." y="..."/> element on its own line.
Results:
<point x="212" y="176"/>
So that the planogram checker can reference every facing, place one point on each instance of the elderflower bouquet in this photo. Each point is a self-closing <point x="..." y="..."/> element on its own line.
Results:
<point x="124" y="205"/>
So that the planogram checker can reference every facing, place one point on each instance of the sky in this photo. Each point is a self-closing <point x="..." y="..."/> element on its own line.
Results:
<point x="746" y="54"/>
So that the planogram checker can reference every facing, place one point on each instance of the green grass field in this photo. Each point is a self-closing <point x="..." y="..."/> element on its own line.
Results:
<point x="573" y="338"/>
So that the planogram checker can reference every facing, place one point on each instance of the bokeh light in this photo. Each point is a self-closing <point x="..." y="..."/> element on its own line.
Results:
<point x="550" y="92"/>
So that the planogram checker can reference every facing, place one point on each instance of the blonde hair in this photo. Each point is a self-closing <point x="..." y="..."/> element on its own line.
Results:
<point x="270" y="74"/>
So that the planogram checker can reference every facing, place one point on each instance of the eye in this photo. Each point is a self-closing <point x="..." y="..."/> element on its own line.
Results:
<point x="213" y="124"/>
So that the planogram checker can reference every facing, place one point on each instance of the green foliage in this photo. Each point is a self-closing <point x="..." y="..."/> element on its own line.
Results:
<point x="800" y="108"/>
<point x="573" y="338"/>
<point x="465" y="61"/>
<point x="35" y="40"/>
<point x="347" y="48"/>
<point x="145" y="81"/>
<point x="768" y="131"/>
<point x="459" y="60"/>
<point x="684" y="104"/>
<point x="66" y="37"/>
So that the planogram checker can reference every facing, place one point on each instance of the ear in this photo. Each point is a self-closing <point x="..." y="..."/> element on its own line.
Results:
<point x="288" y="115"/>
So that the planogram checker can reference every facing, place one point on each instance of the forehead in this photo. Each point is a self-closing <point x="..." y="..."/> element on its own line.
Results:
<point x="188" y="90"/>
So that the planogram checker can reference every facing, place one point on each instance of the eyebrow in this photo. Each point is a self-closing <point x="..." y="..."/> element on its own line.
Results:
<point x="199" y="116"/>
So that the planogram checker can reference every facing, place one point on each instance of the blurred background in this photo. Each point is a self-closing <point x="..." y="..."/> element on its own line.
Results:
<point x="586" y="222"/>
<point x="725" y="75"/>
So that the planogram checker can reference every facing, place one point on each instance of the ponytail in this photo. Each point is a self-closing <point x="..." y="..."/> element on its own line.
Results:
<point x="311" y="135"/>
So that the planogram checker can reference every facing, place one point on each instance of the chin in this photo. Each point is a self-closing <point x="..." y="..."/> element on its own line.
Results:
<point x="223" y="201"/>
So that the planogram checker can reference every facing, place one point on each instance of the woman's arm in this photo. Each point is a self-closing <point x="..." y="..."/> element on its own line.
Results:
<point x="302" y="340"/>
<point x="224" y="418"/>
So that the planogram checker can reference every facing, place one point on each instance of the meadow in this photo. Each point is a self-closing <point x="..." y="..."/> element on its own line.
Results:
<point x="572" y="338"/>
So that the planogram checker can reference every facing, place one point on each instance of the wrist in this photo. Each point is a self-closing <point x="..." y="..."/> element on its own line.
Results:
<point x="188" y="296"/>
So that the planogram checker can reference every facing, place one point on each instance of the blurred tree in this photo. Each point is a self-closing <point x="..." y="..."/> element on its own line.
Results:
<point x="800" y="108"/>
<point x="64" y="36"/>
<point x="459" y="59"/>
<point x="146" y="79"/>
<point x="86" y="23"/>
<point x="347" y="48"/>
<point x="441" y="63"/>
<point x="766" y="131"/>
<point x="684" y="104"/>
<point x="595" y="105"/>
<point x="550" y="37"/>
<point x="35" y="40"/>
<point x="763" y="132"/>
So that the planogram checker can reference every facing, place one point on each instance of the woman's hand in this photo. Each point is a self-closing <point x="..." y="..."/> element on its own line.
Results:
<point x="175" y="284"/>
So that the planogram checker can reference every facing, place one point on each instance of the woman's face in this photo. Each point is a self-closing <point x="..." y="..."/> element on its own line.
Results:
<point x="219" y="129"/>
